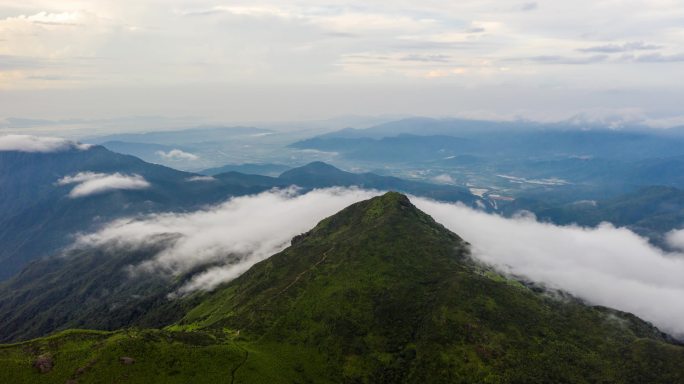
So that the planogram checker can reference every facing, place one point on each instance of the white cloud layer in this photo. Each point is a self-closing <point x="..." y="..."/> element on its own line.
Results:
<point x="91" y="183"/>
<point x="235" y="234"/>
<point x="675" y="239"/>
<point x="28" y="143"/>
<point x="177" y="155"/>
<point x="201" y="178"/>
<point x="604" y="265"/>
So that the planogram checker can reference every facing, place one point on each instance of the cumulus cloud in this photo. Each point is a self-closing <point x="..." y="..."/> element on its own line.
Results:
<point x="660" y="58"/>
<point x="91" y="183"/>
<point x="605" y="265"/>
<point x="28" y="143"/>
<point x="626" y="47"/>
<point x="233" y="235"/>
<point x="176" y="155"/>
<point x="531" y="6"/>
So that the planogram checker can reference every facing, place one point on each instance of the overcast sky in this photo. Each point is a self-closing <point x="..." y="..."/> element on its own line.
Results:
<point x="285" y="60"/>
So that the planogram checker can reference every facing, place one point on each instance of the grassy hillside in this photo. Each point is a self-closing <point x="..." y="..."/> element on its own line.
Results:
<point x="378" y="293"/>
<point x="154" y="356"/>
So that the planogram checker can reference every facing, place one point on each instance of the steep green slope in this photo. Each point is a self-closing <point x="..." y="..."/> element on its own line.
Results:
<point x="389" y="295"/>
<point x="377" y="293"/>
<point x="87" y="289"/>
<point x="91" y="288"/>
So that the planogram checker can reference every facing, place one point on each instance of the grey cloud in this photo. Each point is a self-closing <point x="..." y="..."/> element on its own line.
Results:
<point x="427" y="45"/>
<point x="11" y="62"/>
<point x="476" y="30"/>
<point x="426" y="58"/>
<point x="659" y="58"/>
<point x="206" y="12"/>
<point x="626" y="47"/>
<point x="529" y="6"/>
<point x="555" y="59"/>
<point x="345" y="35"/>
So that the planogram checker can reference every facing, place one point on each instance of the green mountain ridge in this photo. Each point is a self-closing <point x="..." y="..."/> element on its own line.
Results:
<point x="377" y="293"/>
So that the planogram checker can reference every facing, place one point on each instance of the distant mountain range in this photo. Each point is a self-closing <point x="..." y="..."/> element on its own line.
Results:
<point x="556" y="163"/>
<point x="378" y="292"/>
<point x="179" y="137"/>
<point x="425" y="126"/>
<point x="651" y="211"/>
<point x="264" y="169"/>
<point x="38" y="215"/>
<point x="432" y="140"/>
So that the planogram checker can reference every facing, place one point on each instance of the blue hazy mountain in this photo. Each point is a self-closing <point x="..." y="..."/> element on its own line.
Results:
<point x="37" y="215"/>
<point x="265" y="169"/>
<point x="425" y="126"/>
<point x="321" y="175"/>
<point x="516" y="159"/>
<point x="179" y="137"/>
<point x="650" y="211"/>
<point x="145" y="151"/>
<point x="517" y="144"/>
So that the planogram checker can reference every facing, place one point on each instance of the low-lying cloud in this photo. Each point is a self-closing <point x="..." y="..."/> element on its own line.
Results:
<point x="675" y="239"/>
<point x="177" y="155"/>
<point x="91" y="183"/>
<point x="231" y="236"/>
<point x="200" y="178"/>
<point x="28" y="143"/>
<point x="605" y="265"/>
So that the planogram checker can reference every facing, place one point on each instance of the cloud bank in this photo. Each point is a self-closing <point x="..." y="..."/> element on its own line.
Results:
<point x="28" y="143"/>
<point x="177" y="155"/>
<point x="675" y="239"/>
<point x="91" y="183"/>
<point x="231" y="236"/>
<point x="605" y="265"/>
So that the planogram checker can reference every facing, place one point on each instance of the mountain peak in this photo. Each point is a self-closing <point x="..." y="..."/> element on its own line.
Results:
<point x="313" y="168"/>
<point x="387" y="204"/>
<point x="390" y="214"/>
<point x="391" y="296"/>
<point x="393" y="197"/>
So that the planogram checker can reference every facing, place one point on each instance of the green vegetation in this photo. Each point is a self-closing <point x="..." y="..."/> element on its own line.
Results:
<point x="148" y="356"/>
<point x="378" y="293"/>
